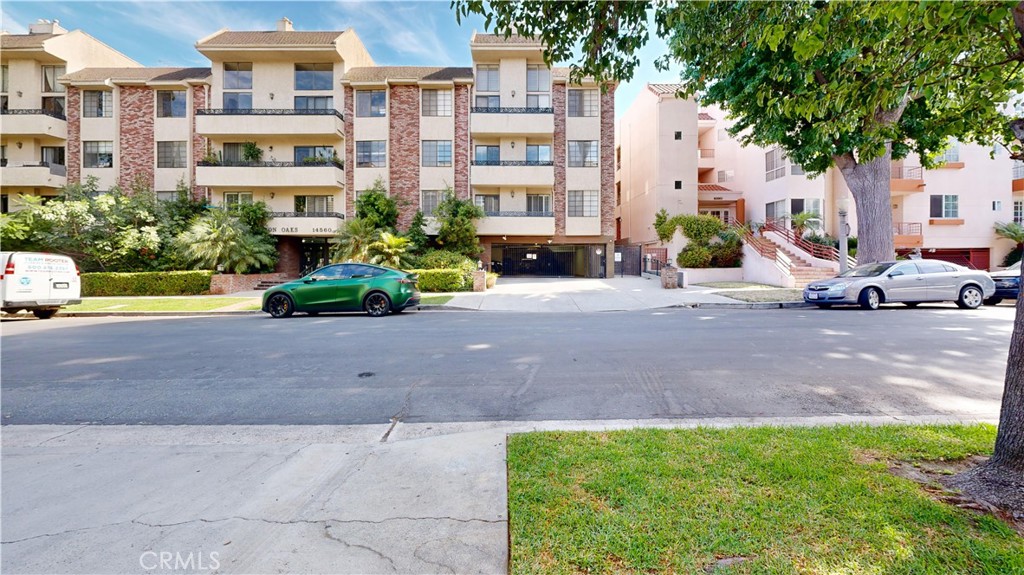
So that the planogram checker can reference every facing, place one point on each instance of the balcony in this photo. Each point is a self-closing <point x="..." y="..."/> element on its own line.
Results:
<point x="705" y="158"/>
<point x="513" y="173"/>
<point x="270" y="175"/>
<point x="907" y="235"/>
<point x="224" y="123"/>
<point x="305" y="223"/>
<point x="516" y="224"/>
<point x="41" y="175"/>
<point x="906" y="179"/>
<point x="1018" y="176"/>
<point x="43" y="124"/>
<point x="512" y="121"/>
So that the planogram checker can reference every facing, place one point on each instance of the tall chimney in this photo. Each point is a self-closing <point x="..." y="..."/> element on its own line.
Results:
<point x="284" y="25"/>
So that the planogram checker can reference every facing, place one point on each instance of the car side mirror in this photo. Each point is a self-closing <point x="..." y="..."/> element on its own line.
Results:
<point x="894" y="274"/>
<point x="312" y="279"/>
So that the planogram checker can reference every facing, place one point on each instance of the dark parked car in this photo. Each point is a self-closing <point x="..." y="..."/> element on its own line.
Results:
<point x="1007" y="284"/>
<point x="909" y="282"/>
<point x="377" y="290"/>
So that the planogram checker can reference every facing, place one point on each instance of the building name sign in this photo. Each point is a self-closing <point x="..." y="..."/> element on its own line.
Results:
<point x="303" y="226"/>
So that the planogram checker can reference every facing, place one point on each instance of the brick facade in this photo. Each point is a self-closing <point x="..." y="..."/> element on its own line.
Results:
<point x="198" y="141"/>
<point x="137" y="148"/>
<point x="73" y="147"/>
<point x="350" y="153"/>
<point x="404" y="150"/>
<point x="288" y="256"/>
<point x="462" y="148"/>
<point x="608" y="164"/>
<point x="558" y="92"/>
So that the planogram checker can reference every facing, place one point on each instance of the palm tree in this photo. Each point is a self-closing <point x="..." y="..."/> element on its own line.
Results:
<point x="389" y="250"/>
<point x="1015" y="233"/>
<point x="801" y="220"/>
<point x="352" y="244"/>
<point x="219" y="238"/>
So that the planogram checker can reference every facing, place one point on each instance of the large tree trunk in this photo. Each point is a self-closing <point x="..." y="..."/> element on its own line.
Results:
<point x="869" y="185"/>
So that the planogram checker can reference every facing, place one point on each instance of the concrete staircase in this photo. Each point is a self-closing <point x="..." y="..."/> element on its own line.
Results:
<point x="267" y="284"/>
<point x="802" y="270"/>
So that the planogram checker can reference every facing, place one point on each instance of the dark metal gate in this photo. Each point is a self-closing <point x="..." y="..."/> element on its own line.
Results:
<point x="547" y="261"/>
<point x="628" y="260"/>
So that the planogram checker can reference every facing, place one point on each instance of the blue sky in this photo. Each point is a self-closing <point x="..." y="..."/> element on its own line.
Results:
<point x="395" y="33"/>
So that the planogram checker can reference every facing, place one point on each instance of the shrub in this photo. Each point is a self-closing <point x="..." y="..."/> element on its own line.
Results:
<point x="440" y="280"/>
<point x="694" y="256"/>
<point x="377" y="208"/>
<point x="492" y="278"/>
<point x="700" y="229"/>
<point x="726" y="255"/>
<point x="145" y="283"/>
<point x="443" y="259"/>
<point x="1012" y="257"/>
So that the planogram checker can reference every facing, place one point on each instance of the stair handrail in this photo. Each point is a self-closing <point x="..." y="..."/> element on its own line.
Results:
<point x="816" y="250"/>
<point x="653" y="265"/>
<point x="769" y="251"/>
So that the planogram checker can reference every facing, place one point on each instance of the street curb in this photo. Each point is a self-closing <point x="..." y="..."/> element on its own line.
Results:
<point x="746" y="305"/>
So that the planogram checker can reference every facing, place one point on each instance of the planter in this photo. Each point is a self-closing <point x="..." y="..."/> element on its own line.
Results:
<point x="704" y="275"/>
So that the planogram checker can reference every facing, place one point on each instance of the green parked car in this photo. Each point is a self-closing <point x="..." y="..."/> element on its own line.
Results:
<point x="377" y="290"/>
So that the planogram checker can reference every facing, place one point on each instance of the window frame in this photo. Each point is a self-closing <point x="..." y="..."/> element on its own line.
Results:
<point x="163" y="107"/>
<point x="325" y="201"/>
<point x="318" y="82"/>
<point x="376" y="149"/>
<point x="535" y="149"/>
<point x="545" y="203"/>
<point x="436" y="196"/>
<point x="436" y="153"/>
<point x="99" y="152"/>
<point x="493" y="73"/>
<point x="582" y="103"/>
<point x="368" y="105"/>
<point x="236" y="79"/>
<point x="97" y="104"/>
<point x="327" y="100"/>
<point x="583" y="204"/>
<point x="774" y="164"/>
<point x="436" y="103"/>
<point x="239" y="198"/>
<point x="944" y="206"/>
<point x="57" y="87"/>
<point x="178" y="153"/>
<point x="576" y="157"/>
<point x="324" y="152"/>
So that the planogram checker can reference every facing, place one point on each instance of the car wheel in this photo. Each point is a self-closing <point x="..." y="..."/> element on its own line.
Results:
<point x="377" y="304"/>
<point x="993" y="301"/>
<point x="970" y="298"/>
<point x="911" y="303"/>
<point x="280" y="305"/>
<point x="44" y="313"/>
<point x="870" y="298"/>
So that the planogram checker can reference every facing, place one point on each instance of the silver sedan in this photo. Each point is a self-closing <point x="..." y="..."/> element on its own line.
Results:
<point x="909" y="282"/>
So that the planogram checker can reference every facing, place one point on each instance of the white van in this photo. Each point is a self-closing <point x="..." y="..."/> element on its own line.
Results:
<point x="40" y="283"/>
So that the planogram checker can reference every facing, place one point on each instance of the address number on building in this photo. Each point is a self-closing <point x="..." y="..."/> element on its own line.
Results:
<point x="325" y="230"/>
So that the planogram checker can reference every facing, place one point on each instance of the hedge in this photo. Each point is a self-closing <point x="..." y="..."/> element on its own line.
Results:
<point x="146" y="283"/>
<point x="440" y="280"/>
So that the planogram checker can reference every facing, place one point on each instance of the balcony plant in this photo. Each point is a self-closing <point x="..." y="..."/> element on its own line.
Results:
<point x="211" y="159"/>
<point x="337" y="161"/>
<point x="252" y="153"/>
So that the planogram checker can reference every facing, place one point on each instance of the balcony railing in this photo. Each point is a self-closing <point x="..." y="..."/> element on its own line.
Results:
<point x="268" y="112"/>
<point x="501" y="110"/>
<point x="55" y="169"/>
<point x="513" y="163"/>
<point x="1018" y="170"/>
<point x="307" y="215"/>
<point x="706" y="153"/>
<point x="35" y="112"/>
<point x="906" y="173"/>
<point x="274" y="164"/>
<point x="906" y="228"/>
<point x="519" y="214"/>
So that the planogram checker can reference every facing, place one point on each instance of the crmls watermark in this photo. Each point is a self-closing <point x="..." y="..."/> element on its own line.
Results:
<point x="177" y="561"/>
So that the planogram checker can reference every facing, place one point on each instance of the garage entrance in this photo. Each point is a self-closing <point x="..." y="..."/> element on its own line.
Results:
<point x="548" y="261"/>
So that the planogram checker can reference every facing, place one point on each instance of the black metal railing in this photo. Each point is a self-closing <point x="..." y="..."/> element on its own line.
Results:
<point x="519" y="214"/>
<point x="338" y="215"/>
<point x="653" y="266"/>
<point x="268" y="112"/>
<point x="270" y="164"/>
<point x="513" y="163"/>
<point x="503" y="110"/>
<point x="34" y="112"/>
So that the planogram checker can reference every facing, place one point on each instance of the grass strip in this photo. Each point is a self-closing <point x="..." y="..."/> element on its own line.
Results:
<point x="435" y="299"/>
<point x="156" y="304"/>
<point x="747" y="501"/>
<point x="764" y="295"/>
<point x="734" y="285"/>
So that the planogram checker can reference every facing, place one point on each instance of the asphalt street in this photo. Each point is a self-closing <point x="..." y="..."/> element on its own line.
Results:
<point x="473" y="366"/>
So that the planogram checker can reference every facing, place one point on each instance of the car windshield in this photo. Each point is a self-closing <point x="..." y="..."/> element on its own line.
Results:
<point x="866" y="271"/>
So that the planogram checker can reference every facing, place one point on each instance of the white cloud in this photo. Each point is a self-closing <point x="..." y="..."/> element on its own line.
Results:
<point x="403" y="27"/>
<point x="185" y="21"/>
<point x="10" y="24"/>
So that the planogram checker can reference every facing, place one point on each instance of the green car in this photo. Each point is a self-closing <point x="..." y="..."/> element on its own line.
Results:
<point x="377" y="290"/>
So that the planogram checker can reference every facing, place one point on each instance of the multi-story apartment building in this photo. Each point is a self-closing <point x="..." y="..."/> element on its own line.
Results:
<point x="33" y="107"/>
<point x="947" y="212"/>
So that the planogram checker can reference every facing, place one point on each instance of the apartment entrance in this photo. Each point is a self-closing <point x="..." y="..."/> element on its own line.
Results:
<point x="313" y="253"/>
<point x="548" y="261"/>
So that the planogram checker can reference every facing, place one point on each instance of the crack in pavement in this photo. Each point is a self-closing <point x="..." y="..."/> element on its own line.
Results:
<point x="397" y="417"/>
<point x="327" y="534"/>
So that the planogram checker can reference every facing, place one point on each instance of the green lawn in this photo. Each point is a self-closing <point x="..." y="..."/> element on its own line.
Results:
<point x="734" y="285"/>
<point x="790" y="500"/>
<point x="435" y="299"/>
<point x="764" y="295"/>
<point x="156" y="304"/>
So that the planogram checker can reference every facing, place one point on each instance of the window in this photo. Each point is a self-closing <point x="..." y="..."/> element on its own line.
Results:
<point x="371" y="103"/>
<point x="235" y="198"/>
<point x="238" y="100"/>
<point x="50" y="75"/>
<point x="538" y="203"/>
<point x="796" y="170"/>
<point x="171" y="154"/>
<point x="168" y="196"/>
<point x="371" y="154"/>
<point x="997" y="205"/>
<point x="618" y="193"/>
<point x="774" y="164"/>
<point x="582" y="103"/>
<point x="726" y="175"/>
<point x="679" y="184"/>
<point x="170" y="103"/>
<point x="583" y="203"/>
<point x="313" y="154"/>
<point x="487" y="156"/>
<point x="1018" y="169"/>
<point x="437" y="153"/>
<point x="314" y="76"/>
<point x="314" y="204"/>
<point x="1018" y="211"/>
<point x="238" y="75"/>
<point x="538" y="153"/>
<point x="97" y="154"/>
<point x="437" y="102"/>
<point x="97" y="104"/>
<point x="679" y="135"/>
<point x="314" y="102"/>
<point x="538" y="87"/>
<point x="429" y="199"/>
<point x="4" y="78"/>
<point x="54" y="105"/>
<point x="487" y="102"/>
<point x="946" y="206"/>
<point x="233" y="154"/>
<point x="3" y="103"/>
<point x="800" y="205"/>
<point x="583" y="153"/>
<point x="487" y="78"/>
<point x="951" y="153"/>
<point x="53" y="155"/>
<point x="490" y="203"/>
<point x="775" y="210"/>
